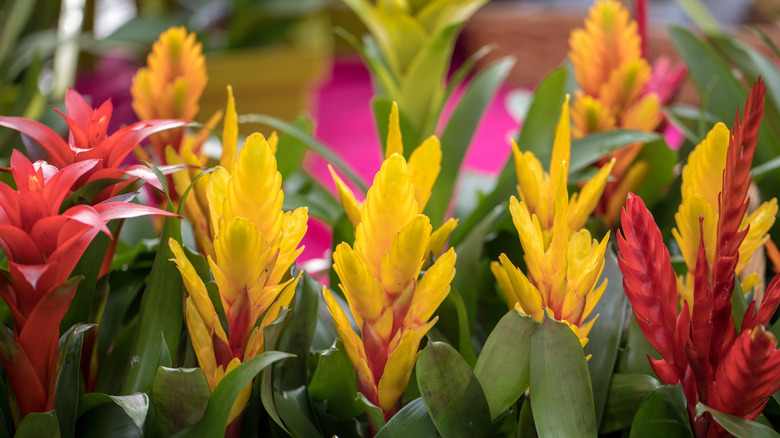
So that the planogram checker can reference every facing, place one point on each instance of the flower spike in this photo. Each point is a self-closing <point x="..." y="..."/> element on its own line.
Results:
<point x="379" y="276"/>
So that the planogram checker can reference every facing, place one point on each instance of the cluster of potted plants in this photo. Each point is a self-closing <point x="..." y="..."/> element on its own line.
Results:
<point x="606" y="284"/>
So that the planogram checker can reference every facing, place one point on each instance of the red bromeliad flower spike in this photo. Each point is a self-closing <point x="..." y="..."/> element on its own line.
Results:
<point x="88" y="140"/>
<point x="731" y="371"/>
<point x="43" y="246"/>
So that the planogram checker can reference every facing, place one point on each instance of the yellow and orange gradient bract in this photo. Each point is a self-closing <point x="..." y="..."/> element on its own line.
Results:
<point x="254" y="246"/>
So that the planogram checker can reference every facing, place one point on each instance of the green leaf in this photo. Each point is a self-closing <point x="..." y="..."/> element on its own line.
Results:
<point x="661" y="161"/>
<point x="180" y="397"/>
<point x="161" y="313"/>
<point x="711" y="73"/>
<point x="104" y="420"/>
<point x="290" y="150"/>
<point x="662" y="413"/>
<point x="88" y="266"/>
<point x="39" y="424"/>
<point x="464" y="332"/>
<point x="525" y="424"/>
<point x="604" y="337"/>
<point x="384" y="78"/>
<point x="310" y="143"/>
<point x="504" y="366"/>
<point x="460" y="130"/>
<point x="700" y="15"/>
<point x="17" y="16"/>
<point x="412" y="421"/>
<point x="422" y="84"/>
<point x="271" y="336"/>
<point x="536" y="135"/>
<point x="626" y="394"/>
<point x="214" y="420"/>
<point x="135" y="406"/>
<point x="293" y="407"/>
<point x="589" y="149"/>
<point x="382" y="107"/>
<point x="633" y="358"/>
<point x="452" y="393"/>
<point x="298" y="334"/>
<point x="738" y="426"/>
<point x="373" y="412"/>
<point x="561" y="395"/>
<point x="67" y="393"/>
<point x="334" y="381"/>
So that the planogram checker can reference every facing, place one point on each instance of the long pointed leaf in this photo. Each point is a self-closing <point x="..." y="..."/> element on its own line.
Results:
<point x="460" y="130"/>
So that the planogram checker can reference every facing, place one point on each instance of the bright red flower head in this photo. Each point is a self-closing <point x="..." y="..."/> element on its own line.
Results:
<point x="43" y="246"/>
<point x="89" y="139"/>
<point x="731" y="370"/>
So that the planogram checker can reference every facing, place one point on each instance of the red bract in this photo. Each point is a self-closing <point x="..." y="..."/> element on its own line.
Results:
<point x="88" y="140"/>
<point x="730" y="371"/>
<point x="43" y="246"/>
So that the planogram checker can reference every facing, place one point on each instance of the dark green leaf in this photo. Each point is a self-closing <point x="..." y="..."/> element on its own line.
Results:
<point x="180" y="397"/>
<point x="67" y="393"/>
<point x="525" y="425"/>
<point x="412" y="421"/>
<point x="738" y="426"/>
<point x="334" y="381"/>
<point x="373" y="412"/>
<point x="464" y="333"/>
<point x="298" y="334"/>
<point x="214" y="420"/>
<point x="662" y="413"/>
<point x="633" y="358"/>
<point x="626" y="393"/>
<point x="460" y="130"/>
<point x="587" y="150"/>
<point x="290" y="150"/>
<point x="271" y="336"/>
<point x="452" y="393"/>
<point x="604" y="337"/>
<point x="293" y="408"/>
<point x="161" y="313"/>
<point x="135" y="406"/>
<point x="37" y="425"/>
<point x="503" y="367"/>
<point x="106" y="420"/>
<point x="725" y="93"/>
<point x="561" y="395"/>
<point x="661" y="161"/>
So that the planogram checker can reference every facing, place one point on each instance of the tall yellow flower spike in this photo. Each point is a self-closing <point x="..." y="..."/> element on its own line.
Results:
<point x="170" y="86"/>
<point x="197" y="206"/>
<point x="612" y="74"/>
<point x="538" y="189"/>
<point x="700" y="192"/>
<point x="254" y="245"/>
<point x="563" y="261"/>
<point x="379" y="277"/>
<point x="424" y="166"/>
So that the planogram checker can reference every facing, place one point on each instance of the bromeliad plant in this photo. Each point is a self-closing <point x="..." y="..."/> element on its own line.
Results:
<point x="254" y="245"/>
<point x="562" y="260"/>
<point x="408" y="338"/>
<point x="723" y="356"/>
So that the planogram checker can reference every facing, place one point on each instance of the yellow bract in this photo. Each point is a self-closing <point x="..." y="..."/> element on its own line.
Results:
<point x="701" y="186"/>
<point x="612" y="75"/>
<point x="538" y="189"/>
<point x="254" y="244"/>
<point x="379" y="278"/>
<point x="563" y="261"/>
<point x="169" y="87"/>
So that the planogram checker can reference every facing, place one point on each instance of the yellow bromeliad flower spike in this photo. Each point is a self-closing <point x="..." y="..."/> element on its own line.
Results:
<point x="538" y="189"/>
<point x="196" y="208"/>
<point x="700" y="193"/>
<point x="169" y="87"/>
<point x="379" y="277"/>
<point x="255" y="243"/>
<point x="563" y="261"/>
<point x="424" y="166"/>
<point x="609" y="67"/>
